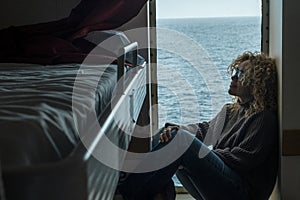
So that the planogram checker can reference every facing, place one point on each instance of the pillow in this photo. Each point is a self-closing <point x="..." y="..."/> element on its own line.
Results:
<point x="111" y="40"/>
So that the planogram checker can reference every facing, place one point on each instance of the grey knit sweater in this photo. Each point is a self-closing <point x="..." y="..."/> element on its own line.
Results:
<point x="247" y="144"/>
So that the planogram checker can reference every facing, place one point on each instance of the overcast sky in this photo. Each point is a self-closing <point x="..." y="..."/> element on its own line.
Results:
<point x="207" y="8"/>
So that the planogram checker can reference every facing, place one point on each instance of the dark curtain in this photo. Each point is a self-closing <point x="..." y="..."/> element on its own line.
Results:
<point x="57" y="41"/>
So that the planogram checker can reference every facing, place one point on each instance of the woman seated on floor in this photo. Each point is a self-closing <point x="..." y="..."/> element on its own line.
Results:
<point x="233" y="156"/>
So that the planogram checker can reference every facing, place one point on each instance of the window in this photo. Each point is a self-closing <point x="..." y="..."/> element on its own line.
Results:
<point x="196" y="42"/>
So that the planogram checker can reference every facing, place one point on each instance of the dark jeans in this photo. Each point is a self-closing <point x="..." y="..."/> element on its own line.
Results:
<point x="200" y="170"/>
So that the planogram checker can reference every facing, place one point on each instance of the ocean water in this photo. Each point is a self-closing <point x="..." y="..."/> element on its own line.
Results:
<point x="193" y="56"/>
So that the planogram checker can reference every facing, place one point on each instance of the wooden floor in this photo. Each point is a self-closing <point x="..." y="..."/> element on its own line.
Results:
<point x="182" y="194"/>
<point x="184" y="197"/>
<point x="178" y="197"/>
<point x="275" y="196"/>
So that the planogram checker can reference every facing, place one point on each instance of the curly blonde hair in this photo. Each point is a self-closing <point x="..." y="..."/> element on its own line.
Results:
<point x="261" y="77"/>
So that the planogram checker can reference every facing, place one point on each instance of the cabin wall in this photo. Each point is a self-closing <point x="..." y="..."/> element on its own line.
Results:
<point x="137" y="29"/>
<point x="290" y="163"/>
<point x="284" y="46"/>
<point x="20" y="12"/>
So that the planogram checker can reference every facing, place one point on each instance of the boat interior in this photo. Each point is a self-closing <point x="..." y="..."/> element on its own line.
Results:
<point x="63" y="137"/>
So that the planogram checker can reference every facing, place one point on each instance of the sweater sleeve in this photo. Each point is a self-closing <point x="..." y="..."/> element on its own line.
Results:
<point x="259" y="140"/>
<point x="198" y="129"/>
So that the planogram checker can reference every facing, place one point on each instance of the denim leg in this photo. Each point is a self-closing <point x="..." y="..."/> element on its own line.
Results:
<point x="146" y="185"/>
<point x="187" y="182"/>
<point x="206" y="176"/>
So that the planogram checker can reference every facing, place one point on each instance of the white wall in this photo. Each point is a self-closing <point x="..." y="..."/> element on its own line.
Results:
<point x="136" y="29"/>
<point x="284" y="46"/>
<point x="291" y="69"/>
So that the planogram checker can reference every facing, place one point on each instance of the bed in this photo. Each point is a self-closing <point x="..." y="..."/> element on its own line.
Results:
<point x="57" y="116"/>
<point x="53" y="117"/>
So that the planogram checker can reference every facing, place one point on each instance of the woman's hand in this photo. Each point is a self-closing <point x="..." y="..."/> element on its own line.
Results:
<point x="166" y="135"/>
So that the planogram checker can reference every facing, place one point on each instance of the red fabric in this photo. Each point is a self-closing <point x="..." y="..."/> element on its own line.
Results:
<point x="54" y="42"/>
<point x="47" y="45"/>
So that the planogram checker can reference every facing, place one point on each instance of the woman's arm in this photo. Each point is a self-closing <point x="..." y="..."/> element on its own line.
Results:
<point x="198" y="129"/>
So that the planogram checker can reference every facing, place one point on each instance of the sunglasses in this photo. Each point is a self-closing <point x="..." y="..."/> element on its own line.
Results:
<point x="237" y="73"/>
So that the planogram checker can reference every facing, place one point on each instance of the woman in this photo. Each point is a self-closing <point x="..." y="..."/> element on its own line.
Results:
<point x="234" y="156"/>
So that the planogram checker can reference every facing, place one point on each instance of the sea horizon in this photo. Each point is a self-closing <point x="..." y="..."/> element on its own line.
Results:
<point x="209" y="17"/>
<point x="221" y="39"/>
